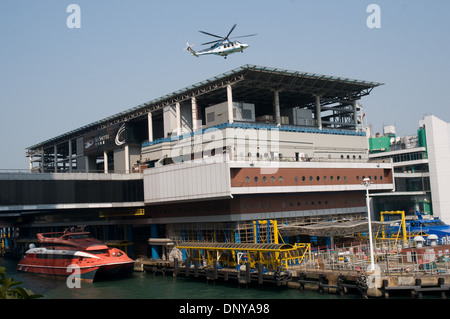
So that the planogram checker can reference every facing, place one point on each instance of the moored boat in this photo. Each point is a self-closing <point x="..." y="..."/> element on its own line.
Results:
<point x="425" y="227"/>
<point x="62" y="253"/>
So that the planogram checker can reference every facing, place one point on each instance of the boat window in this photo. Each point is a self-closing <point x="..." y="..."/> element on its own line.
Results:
<point x="436" y="223"/>
<point x="79" y="236"/>
<point x="98" y="252"/>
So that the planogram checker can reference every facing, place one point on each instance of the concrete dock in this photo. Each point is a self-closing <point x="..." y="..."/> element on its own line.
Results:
<point x="416" y="278"/>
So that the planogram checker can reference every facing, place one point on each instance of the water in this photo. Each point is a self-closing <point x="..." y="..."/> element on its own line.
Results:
<point x="146" y="286"/>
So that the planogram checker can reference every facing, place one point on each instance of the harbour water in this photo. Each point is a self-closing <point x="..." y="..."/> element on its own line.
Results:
<point x="147" y="286"/>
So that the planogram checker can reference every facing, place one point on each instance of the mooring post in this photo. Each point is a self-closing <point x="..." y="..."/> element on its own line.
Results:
<point x="175" y="267"/>
<point x="260" y="274"/>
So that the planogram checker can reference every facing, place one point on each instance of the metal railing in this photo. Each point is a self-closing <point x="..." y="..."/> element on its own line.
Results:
<point x="388" y="260"/>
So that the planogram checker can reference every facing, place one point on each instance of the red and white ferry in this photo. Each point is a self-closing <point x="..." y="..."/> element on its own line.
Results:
<point x="60" y="250"/>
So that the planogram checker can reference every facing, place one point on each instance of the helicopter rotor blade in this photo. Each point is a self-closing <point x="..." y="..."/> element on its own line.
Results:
<point x="230" y="31"/>
<point x="244" y="36"/>
<point x="216" y="41"/>
<point x="213" y="35"/>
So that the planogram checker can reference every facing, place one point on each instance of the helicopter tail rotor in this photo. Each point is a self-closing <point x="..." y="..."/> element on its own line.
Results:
<point x="189" y="48"/>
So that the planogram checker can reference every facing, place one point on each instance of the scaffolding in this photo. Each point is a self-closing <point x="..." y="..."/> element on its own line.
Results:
<point x="250" y="231"/>
<point x="235" y="255"/>
<point x="249" y="243"/>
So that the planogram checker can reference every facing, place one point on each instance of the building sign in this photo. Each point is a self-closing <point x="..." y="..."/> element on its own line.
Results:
<point x="108" y="138"/>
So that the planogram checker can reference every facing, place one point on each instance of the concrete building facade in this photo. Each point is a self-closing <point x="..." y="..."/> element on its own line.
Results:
<point x="252" y="143"/>
<point x="421" y="168"/>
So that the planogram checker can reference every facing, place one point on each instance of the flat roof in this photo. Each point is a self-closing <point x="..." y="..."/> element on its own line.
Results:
<point x="251" y="83"/>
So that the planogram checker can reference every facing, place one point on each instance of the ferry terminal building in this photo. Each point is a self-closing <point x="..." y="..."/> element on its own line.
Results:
<point x="204" y="162"/>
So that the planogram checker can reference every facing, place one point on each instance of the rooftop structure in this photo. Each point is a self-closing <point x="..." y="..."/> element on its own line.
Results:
<point x="283" y="98"/>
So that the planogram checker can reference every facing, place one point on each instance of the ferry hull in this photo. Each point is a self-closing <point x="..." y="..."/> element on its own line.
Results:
<point x="115" y="269"/>
<point x="74" y="254"/>
<point x="86" y="274"/>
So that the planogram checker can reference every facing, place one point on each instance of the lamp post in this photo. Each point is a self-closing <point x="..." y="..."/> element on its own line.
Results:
<point x="366" y="182"/>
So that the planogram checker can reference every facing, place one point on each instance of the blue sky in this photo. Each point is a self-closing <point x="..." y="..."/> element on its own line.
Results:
<point x="54" y="79"/>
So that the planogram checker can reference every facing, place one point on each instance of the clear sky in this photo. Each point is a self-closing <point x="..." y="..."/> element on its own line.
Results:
<point x="54" y="79"/>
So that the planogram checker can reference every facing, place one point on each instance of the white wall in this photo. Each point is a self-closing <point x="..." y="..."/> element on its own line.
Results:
<point x="186" y="181"/>
<point x="438" y="146"/>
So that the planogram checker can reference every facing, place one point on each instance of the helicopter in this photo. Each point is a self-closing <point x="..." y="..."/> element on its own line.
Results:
<point x="223" y="47"/>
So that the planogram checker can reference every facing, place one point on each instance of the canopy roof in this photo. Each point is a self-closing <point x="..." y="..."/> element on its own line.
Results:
<point x="330" y="228"/>
<point x="235" y="246"/>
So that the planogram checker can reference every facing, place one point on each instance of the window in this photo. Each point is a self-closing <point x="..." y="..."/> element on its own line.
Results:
<point x="210" y="117"/>
<point x="264" y="179"/>
<point x="247" y="114"/>
<point x="296" y="179"/>
<point x="272" y="178"/>
<point x="280" y="179"/>
<point x="247" y="179"/>
<point x="318" y="178"/>
<point x="256" y="178"/>
<point x="303" y="178"/>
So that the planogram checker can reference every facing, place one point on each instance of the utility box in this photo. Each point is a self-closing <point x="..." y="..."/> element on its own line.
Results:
<point x="218" y="114"/>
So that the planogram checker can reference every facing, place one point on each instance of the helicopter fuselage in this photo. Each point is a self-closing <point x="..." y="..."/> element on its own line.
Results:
<point x="224" y="48"/>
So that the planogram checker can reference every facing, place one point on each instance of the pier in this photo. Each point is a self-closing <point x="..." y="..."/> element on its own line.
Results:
<point x="339" y="271"/>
